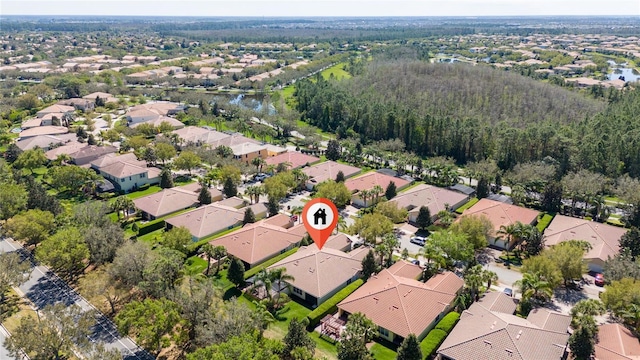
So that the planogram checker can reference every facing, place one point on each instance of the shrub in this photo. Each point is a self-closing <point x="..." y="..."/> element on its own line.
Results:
<point x="150" y="226"/>
<point x="543" y="222"/>
<point x="144" y="187"/>
<point x="448" y="322"/>
<point x="432" y="341"/>
<point x="331" y="305"/>
<point x="469" y="204"/>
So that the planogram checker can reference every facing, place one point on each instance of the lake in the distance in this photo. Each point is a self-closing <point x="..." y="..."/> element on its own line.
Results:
<point x="629" y="74"/>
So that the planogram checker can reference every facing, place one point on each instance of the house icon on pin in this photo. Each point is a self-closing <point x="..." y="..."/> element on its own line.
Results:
<point x="320" y="215"/>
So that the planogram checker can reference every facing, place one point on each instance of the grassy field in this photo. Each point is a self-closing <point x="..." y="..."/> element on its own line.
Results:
<point x="381" y="352"/>
<point x="337" y="71"/>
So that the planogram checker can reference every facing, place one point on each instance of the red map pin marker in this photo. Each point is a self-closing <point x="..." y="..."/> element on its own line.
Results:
<point x="320" y="217"/>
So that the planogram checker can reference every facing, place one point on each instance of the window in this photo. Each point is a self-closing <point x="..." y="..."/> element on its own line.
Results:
<point x="297" y="291"/>
<point x="384" y="332"/>
<point x="142" y="176"/>
<point x="129" y="178"/>
<point x="121" y="180"/>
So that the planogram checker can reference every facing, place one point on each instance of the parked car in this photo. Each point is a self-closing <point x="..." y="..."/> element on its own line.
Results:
<point x="508" y="291"/>
<point x="418" y="240"/>
<point x="599" y="279"/>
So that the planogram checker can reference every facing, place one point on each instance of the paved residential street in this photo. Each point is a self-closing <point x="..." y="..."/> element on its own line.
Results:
<point x="45" y="288"/>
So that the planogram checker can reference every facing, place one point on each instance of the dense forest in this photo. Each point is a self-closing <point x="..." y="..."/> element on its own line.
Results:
<point x="473" y="113"/>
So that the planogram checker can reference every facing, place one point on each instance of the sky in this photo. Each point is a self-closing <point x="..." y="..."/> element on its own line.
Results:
<point x="320" y="7"/>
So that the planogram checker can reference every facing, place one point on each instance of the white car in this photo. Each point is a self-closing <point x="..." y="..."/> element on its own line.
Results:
<point x="418" y="240"/>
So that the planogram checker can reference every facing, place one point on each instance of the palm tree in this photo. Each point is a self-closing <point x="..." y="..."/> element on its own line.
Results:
<point x="473" y="279"/>
<point x="300" y="177"/>
<point x="278" y="276"/>
<point x="533" y="287"/>
<point x="433" y="257"/>
<point x="509" y="231"/>
<point x="124" y="204"/>
<point x="489" y="277"/>
<point x="219" y="252"/>
<point x="297" y="210"/>
<point x="61" y="159"/>
<point x="270" y="169"/>
<point x="262" y="279"/>
<point x="262" y="313"/>
<point x="364" y="195"/>
<point x="258" y="162"/>
<point x="376" y="191"/>
<point x="207" y="250"/>
<point x="253" y="192"/>
<point x="342" y="224"/>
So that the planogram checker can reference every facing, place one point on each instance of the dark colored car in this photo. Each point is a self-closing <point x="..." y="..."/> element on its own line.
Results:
<point x="508" y="291"/>
<point x="599" y="279"/>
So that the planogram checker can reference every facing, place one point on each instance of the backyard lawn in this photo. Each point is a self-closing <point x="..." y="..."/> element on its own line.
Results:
<point x="381" y="352"/>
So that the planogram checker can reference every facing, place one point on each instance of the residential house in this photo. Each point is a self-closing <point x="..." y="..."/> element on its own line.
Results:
<point x="43" y="130"/>
<point x="502" y="214"/>
<point x="489" y="328"/>
<point x="327" y="170"/>
<point x="293" y="158"/>
<point x="434" y="198"/>
<point x="401" y="305"/>
<point x="157" y="121"/>
<point x="90" y="153"/>
<point x="319" y="274"/>
<point x="463" y="189"/>
<point x="259" y="242"/>
<point x="125" y="172"/>
<point x="247" y="151"/>
<point x="165" y="202"/>
<point x="45" y="142"/>
<point x="211" y="219"/>
<point x="370" y="180"/>
<point x="106" y="97"/>
<point x="153" y="110"/>
<point x="604" y="238"/>
<point x="171" y="200"/>
<point x="56" y="108"/>
<point x="616" y="342"/>
<point x="79" y="104"/>
<point x="274" y="150"/>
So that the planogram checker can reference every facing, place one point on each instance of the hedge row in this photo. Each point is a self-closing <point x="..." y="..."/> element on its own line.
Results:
<point x="331" y="305"/>
<point x="435" y="337"/>
<point x="432" y="341"/>
<point x="251" y="272"/>
<point x="151" y="226"/>
<point x="448" y="322"/>
<point x="544" y="221"/>
<point x="469" y="204"/>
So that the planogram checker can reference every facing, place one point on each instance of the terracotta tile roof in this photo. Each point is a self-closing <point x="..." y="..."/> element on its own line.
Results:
<point x="31" y="123"/>
<point x="55" y="108"/>
<point x="233" y="202"/>
<point x="502" y="214"/>
<point x="112" y="158"/>
<point x="159" y="108"/>
<point x="338" y="241"/>
<point x="190" y="133"/>
<point x="43" y="141"/>
<point x="328" y="170"/>
<point x="498" y="302"/>
<point x="257" y="242"/>
<point x="281" y="220"/>
<point x="319" y="272"/>
<point x="208" y="219"/>
<point x="194" y="187"/>
<point x="430" y="196"/>
<point x="166" y="201"/>
<point x="43" y="130"/>
<point x="498" y="335"/>
<point x="67" y="149"/>
<point x="296" y="159"/>
<point x="604" y="239"/>
<point x="369" y="180"/>
<point x="176" y="124"/>
<point x="401" y="305"/>
<point x="406" y="269"/>
<point x="615" y="342"/>
<point x="92" y="151"/>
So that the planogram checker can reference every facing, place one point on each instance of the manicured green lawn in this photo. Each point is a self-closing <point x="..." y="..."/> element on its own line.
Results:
<point x="337" y="71"/>
<point x="138" y="194"/>
<point x="195" y="265"/>
<point x="381" y="352"/>
<point x="151" y="238"/>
